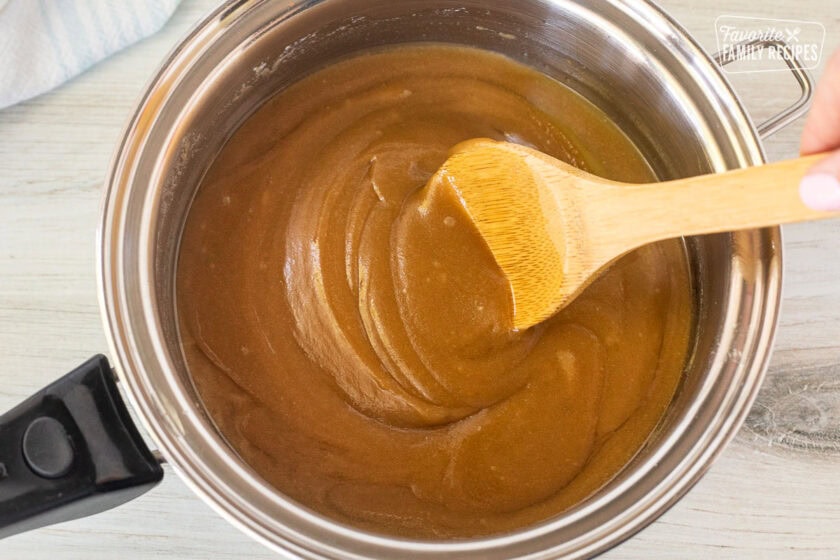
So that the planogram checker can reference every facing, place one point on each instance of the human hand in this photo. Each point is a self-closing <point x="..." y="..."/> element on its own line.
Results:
<point x="820" y="189"/>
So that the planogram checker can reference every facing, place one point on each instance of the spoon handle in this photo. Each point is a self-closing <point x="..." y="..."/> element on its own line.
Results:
<point x="752" y="197"/>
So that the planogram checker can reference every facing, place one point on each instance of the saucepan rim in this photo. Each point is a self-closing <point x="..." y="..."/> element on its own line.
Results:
<point x="313" y="535"/>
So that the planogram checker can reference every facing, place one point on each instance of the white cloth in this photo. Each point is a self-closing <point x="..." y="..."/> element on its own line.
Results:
<point x="44" y="43"/>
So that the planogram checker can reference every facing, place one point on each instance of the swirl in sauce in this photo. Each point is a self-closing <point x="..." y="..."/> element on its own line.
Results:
<point x="352" y="344"/>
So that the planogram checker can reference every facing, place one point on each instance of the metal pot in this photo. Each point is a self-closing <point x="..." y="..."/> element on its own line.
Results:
<point x="626" y="56"/>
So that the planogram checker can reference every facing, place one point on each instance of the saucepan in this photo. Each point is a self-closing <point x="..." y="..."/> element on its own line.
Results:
<point x="72" y="449"/>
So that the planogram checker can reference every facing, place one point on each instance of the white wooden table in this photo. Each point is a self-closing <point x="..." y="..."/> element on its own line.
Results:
<point x="775" y="492"/>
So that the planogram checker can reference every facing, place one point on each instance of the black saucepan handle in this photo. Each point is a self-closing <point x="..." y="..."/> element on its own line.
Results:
<point x="69" y="451"/>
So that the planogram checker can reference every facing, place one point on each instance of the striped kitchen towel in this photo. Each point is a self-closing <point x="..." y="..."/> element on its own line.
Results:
<point x="44" y="43"/>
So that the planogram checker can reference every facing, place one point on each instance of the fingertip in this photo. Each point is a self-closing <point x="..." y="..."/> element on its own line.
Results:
<point x="820" y="191"/>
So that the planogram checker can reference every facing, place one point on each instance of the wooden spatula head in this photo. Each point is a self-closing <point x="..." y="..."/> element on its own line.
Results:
<point x="525" y="225"/>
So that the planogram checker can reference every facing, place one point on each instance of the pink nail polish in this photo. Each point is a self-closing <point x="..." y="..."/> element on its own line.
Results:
<point x="820" y="191"/>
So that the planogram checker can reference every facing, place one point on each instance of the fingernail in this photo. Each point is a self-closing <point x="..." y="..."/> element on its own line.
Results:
<point x="820" y="191"/>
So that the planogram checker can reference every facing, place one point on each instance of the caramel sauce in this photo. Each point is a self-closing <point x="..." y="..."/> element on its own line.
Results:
<point x="352" y="344"/>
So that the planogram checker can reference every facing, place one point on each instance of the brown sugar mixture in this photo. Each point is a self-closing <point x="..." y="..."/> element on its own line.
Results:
<point x="354" y="347"/>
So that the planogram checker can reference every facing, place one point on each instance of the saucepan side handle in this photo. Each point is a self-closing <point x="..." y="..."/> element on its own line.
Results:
<point x="803" y="77"/>
<point x="69" y="451"/>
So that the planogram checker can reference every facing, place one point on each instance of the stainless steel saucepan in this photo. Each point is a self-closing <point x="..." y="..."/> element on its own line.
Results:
<point x="72" y="450"/>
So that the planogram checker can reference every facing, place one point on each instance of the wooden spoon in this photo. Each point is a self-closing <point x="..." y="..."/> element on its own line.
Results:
<point x="552" y="227"/>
